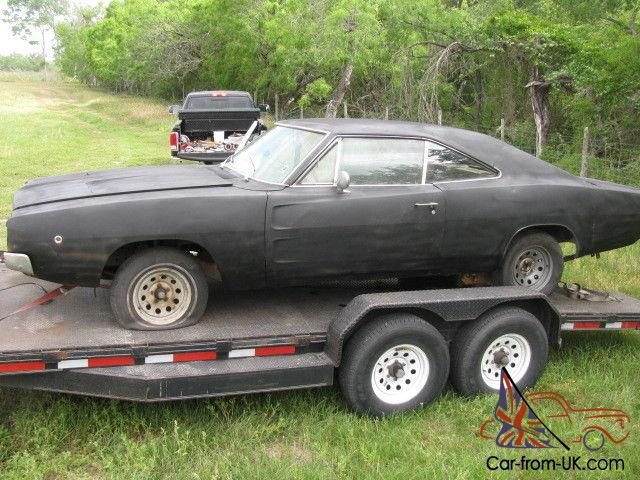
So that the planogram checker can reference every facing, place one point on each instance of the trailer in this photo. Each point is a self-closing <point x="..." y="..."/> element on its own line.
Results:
<point x="389" y="349"/>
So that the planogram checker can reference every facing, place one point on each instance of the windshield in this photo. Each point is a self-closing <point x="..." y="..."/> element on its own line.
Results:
<point x="219" y="103"/>
<point x="273" y="156"/>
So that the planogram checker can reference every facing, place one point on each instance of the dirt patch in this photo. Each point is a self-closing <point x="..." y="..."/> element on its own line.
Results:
<point x="280" y="450"/>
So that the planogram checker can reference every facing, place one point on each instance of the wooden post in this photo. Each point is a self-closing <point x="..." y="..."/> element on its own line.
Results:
<point x="386" y="113"/>
<point x="439" y="117"/>
<point x="255" y="97"/>
<point x="301" y="111"/>
<point x="346" y="112"/>
<point x="584" y="166"/>
<point x="276" y="109"/>
<point x="502" y="129"/>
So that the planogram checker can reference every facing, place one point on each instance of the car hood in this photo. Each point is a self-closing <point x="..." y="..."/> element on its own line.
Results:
<point x="119" y="181"/>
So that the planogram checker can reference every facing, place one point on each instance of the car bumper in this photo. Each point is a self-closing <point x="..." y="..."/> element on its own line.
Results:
<point x="18" y="262"/>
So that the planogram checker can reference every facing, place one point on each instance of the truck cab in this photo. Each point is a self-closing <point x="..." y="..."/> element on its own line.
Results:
<point x="212" y="124"/>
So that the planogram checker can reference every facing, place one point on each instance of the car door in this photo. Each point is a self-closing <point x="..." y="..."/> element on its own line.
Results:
<point x="477" y="215"/>
<point x="388" y="222"/>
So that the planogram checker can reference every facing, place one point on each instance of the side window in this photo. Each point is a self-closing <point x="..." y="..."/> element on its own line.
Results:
<point x="445" y="164"/>
<point x="324" y="170"/>
<point x="378" y="161"/>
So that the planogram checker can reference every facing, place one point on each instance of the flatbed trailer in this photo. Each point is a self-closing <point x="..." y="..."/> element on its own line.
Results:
<point x="262" y="341"/>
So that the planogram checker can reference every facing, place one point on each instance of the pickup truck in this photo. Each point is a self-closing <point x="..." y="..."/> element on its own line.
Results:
<point x="212" y="124"/>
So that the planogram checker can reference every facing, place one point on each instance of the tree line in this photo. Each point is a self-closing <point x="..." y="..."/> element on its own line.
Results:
<point x="547" y="68"/>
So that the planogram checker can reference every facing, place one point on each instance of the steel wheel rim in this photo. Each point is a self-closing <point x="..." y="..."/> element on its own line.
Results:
<point x="511" y="351"/>
<point x="162" y="294"/>
<point x="533" y="268"/>
<point x="400" y="374"/>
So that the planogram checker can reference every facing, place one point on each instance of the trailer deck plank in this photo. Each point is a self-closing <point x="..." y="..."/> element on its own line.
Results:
<point x="82" y="319"/>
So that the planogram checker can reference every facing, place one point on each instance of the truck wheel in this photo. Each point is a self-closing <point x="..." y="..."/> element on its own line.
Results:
<point x="395" y="363"/>
<point x="507" y="337"/>
<point x="159" y="289"/>
<point x="534" y="261"/>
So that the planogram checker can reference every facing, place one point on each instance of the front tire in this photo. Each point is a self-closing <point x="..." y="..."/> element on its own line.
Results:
<point x="159" y="289"/>
<point x="395" y="363"/>
<point x="508" y="337"/>
<point x="534" y="261"/>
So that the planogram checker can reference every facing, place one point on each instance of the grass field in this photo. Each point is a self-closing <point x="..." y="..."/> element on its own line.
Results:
<point x="48" y="128"/>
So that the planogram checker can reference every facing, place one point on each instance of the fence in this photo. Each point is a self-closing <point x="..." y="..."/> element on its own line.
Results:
<point x="594" y="157"/>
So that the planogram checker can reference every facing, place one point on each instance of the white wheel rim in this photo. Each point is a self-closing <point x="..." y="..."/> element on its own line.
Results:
<point x="400" y="374"/>
<point x="162" y="294"/>
<point x="511" y="351"/>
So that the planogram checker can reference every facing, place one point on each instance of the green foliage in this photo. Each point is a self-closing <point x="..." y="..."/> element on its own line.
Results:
<point x="470" y="59"/>
<point x="20" y="62"/>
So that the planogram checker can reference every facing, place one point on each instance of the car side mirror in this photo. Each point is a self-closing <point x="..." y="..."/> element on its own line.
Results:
<point x="173" y="109"/>
<point x="264" y="107"/>
<point x="343" y="181"/>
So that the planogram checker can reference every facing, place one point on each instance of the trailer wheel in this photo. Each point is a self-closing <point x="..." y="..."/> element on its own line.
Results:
<point x="507" y="337"/>
<point x="159" y="289"/>
<point x="397" y="362"/>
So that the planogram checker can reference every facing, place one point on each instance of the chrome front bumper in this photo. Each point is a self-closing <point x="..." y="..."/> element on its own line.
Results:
<point x="19" y="262"/>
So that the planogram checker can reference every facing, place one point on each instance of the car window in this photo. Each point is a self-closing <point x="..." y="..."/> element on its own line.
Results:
<point x="219" y="103"/>
<point x="324" y="171"/>
<point x="445" y="164"/>
<point x="382" y="161"/>
<point x="274" y="155"/>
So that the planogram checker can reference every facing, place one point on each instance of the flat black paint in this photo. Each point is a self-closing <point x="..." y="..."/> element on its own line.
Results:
<point x="265" y="235"/>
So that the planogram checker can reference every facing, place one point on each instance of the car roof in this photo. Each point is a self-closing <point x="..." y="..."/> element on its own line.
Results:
<point x="485" y="148"/>
<point x="226" y="93"/>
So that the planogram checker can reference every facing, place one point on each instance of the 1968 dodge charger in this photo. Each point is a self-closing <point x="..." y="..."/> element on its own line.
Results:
<point x="315" y="200"/>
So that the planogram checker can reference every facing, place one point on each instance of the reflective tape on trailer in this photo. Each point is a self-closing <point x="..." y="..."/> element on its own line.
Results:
<point x="633" y="325"/>
<point x="117" y="361"/>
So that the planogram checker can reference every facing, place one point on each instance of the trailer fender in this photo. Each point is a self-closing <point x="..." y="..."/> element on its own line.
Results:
<point x="444" y="309"/>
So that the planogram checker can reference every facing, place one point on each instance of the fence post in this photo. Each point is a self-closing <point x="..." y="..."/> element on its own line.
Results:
<point x="276" y="108"/>
<point x="386" y="113"/>
<point x="439" y="117"/>
<point x="301" y="111"/>
<point x="346" y="113"/>
<point x="255" y="97"/>
<point x="502" y="129"/>
<point x="584" y="166"/>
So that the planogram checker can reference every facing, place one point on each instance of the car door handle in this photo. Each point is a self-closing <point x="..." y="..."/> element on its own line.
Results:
<point x="431" y="206"/>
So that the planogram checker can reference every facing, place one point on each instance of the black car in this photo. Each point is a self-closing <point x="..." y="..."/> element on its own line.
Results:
<point x="212" y="124"/>
<point x="315" y="200"/>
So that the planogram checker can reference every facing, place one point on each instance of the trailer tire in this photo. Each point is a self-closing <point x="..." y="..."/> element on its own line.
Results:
<point x="159" y="289"/>
<point x="382" y="359"/>
<point x="506" y="336"/>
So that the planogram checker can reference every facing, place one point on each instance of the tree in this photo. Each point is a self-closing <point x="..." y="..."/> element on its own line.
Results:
<point x="26" y="15"/>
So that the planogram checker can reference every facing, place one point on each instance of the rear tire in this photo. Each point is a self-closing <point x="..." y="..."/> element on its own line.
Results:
<point x="507" y="336"/>
<point x="534" y="261"/>
<point x="395" y="363"/>
<point x="159" y="289"/>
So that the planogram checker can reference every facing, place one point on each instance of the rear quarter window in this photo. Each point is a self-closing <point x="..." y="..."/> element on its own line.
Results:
<point x="446" y="165"/>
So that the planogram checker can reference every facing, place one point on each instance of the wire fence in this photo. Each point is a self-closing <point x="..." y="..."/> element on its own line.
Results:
<point x="598" y="158"/>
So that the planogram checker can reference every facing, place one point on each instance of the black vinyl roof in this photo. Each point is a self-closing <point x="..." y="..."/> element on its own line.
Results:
<point x="485" y="148"/>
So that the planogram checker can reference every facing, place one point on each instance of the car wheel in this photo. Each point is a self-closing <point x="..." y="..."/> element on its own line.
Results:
<point x="593" y="439"/>
<point x="507" y="337"/>
<point x="397" y="362"/>
<point x="159" y="289"/>
<point x="534" y="261"/>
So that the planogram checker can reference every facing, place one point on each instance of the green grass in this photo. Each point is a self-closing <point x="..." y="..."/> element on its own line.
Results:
<point x="60" y="127"/>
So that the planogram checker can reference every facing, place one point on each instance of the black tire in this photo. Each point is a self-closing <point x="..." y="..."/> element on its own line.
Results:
<point x="186" y="273"/>
<point x="375" y="338"/>
<point x="524" y="252"/>
<point x="475" y="338"/>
